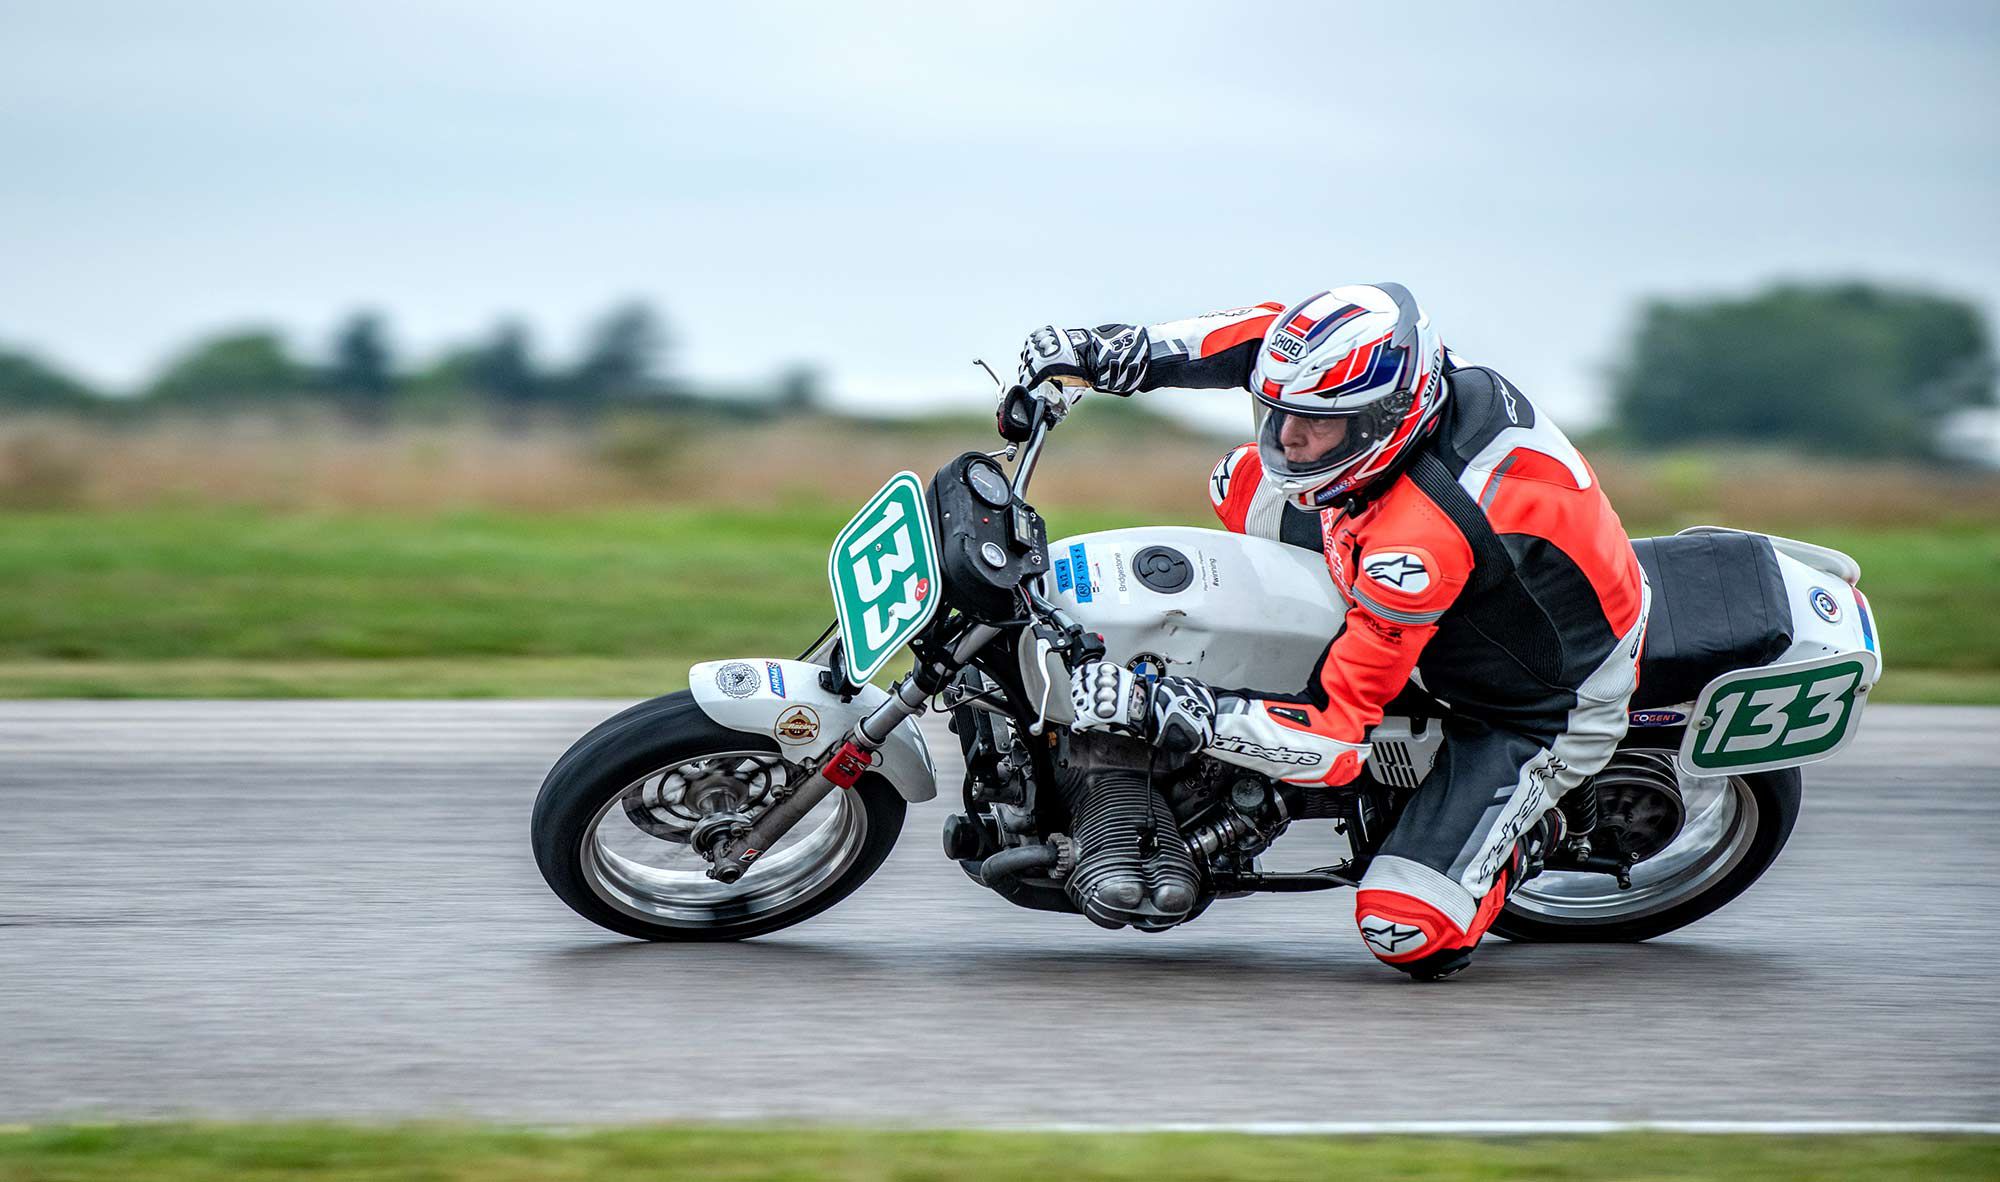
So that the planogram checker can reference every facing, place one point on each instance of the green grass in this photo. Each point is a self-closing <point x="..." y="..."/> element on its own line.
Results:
<point x="184" y="1153"/>
<point x="239" y="603"/>
<point x="562" y="677"/>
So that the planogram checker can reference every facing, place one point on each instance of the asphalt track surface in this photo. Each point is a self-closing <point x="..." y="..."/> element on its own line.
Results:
<point x="330" y="909"/>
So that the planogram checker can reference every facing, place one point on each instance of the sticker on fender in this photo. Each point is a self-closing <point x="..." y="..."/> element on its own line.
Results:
<point x="1757" y="720"/>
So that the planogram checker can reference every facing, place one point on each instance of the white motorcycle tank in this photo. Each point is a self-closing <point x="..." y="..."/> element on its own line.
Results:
<point x="1232" y="610"/>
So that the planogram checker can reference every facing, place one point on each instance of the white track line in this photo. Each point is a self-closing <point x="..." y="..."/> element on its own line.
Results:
<point x="1530" y="1128"/>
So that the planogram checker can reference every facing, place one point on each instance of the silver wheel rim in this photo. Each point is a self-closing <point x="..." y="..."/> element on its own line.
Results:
<point x="1721" y="826"/>
<point x="664" y="882"/>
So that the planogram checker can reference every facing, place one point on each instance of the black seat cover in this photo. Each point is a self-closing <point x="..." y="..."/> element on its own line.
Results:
<point x="1718" y="604"/>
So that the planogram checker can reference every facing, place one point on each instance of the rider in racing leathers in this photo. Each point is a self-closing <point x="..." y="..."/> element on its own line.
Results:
<point x="1478" y="555"/>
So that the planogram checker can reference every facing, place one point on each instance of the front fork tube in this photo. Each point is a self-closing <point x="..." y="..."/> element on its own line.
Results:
<point x="845" y="764"/>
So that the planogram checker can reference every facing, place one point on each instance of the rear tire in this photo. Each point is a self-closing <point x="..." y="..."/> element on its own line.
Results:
<point x="1775" y="797"/>
<point x="585" y="788"/>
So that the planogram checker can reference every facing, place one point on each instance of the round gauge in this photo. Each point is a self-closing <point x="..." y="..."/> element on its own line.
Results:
<point x="988" y="485"/>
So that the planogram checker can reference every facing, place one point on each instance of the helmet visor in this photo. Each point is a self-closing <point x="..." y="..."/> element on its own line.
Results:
<point x="1299" y="447"/>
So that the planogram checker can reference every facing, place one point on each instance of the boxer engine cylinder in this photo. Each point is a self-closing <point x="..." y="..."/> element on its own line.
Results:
<point x="1132" y="865"/>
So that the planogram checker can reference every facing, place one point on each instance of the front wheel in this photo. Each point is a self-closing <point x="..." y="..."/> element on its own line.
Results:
<point x="1731" y="832"/>
<point x="613" y="823"/>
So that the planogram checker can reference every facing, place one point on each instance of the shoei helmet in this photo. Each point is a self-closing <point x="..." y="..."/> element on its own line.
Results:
<point x="1365" y="353"/>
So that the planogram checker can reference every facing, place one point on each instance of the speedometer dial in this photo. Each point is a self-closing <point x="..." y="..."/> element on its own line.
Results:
<point x="988" y="485"/>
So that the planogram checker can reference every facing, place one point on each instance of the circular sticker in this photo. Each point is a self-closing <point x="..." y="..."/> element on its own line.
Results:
<point x="800" y="724"/>
<point x="737" y="679"/>
<point x="1825" y="605"/>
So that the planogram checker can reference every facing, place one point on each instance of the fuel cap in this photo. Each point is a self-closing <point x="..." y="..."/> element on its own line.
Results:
<point x="1163" y="568"/>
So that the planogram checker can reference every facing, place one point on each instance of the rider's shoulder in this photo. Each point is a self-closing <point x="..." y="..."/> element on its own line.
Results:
<point x="1233" y="486"/>
<point x="1411" y="560"/>
<point x="1405" y="516"/>
<point x="1235" y="475"/>
<point x="1482" y="404"/>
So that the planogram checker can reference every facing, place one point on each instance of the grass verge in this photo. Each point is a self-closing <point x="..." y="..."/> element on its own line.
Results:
<point x="182" y="1153"/>
<point x="570" y="677"/>
<point x="206" y="603"/>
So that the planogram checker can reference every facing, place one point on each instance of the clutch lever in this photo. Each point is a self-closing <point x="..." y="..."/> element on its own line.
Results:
<point x="1043" y="649"/>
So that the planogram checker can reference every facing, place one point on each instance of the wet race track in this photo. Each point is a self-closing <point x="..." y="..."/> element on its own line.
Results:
<point x="330" y="909"/>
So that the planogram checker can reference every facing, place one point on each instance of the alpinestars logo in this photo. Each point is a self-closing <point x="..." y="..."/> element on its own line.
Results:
<point x="1387" y="936"/>
<point x="1218" y="480"/>
<point x="1404" y="572"/>
<point x="1237" y="746"/>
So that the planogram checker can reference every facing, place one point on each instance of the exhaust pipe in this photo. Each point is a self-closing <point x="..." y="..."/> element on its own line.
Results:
<point x="1007" y="865"/>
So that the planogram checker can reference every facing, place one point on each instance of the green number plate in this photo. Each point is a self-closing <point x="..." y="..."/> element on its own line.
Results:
<point x="1755" y="720"/>
<point x="884" y="572"/>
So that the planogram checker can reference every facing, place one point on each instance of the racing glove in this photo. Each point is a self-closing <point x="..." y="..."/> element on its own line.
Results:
<point x="1176" y="714"/>
<point x="1111" y="357"/>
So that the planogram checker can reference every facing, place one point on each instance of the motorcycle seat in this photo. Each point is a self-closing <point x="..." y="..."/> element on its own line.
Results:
<point x="1719" y="604"/>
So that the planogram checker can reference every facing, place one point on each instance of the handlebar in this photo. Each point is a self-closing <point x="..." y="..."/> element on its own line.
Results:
<point x="1026" y="418"/>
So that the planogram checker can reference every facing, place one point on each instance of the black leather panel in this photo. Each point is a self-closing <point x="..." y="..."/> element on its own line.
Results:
<point x="1718" y="604"/>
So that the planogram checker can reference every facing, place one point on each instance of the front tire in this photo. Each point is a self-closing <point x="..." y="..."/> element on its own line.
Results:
<point x="611" y="849"/>
<point x="1729" y="840"/>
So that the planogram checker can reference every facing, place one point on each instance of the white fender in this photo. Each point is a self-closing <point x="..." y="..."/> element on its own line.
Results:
<point x="782" y="700"/>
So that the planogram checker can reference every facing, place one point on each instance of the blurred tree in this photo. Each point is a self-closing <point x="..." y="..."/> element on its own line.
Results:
<point x="361" y="373"/>
<point x="502" y="371"/>
<point x="233" y="371"/>
<point x="28" y="385"/>
<point x="621" y="361"/>
<point x="799" y="390"/>
<point x="1846" y="368"/>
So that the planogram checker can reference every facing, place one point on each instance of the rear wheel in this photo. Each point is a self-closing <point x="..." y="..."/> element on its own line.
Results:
<point x="1732" y="829"/>
<point x="613" y="829"/>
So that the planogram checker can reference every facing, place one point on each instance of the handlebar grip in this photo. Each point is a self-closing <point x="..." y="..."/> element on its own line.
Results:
<point x="1019" y="412"/>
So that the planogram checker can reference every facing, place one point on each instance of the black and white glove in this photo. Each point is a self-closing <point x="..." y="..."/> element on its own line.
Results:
<point x="1176" y="714"/>
<point x="1111" y="357"/>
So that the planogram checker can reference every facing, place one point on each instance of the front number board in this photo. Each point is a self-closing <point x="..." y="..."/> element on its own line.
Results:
<point x="1755" y="720"/>
<point x="884" y="573"/>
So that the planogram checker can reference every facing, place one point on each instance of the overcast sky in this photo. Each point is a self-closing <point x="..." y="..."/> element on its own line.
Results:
<point x="890" y="190"/>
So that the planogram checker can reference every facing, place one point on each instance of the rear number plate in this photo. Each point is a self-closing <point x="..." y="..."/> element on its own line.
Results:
<point x="1755" y="720"/>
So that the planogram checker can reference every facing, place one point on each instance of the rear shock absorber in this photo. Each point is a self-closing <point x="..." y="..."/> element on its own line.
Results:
<point x="1579" y="809"/>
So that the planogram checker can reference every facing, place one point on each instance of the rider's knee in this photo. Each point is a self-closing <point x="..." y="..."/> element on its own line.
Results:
<point x="1420" y="921"/>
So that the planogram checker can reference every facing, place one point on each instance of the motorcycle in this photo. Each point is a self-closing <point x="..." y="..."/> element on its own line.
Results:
<point x="771" y="789"/>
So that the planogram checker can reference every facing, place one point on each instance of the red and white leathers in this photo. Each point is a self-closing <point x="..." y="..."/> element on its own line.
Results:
<point x="1489" y="570"/>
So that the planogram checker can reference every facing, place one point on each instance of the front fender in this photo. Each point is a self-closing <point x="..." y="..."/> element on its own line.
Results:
<point x="782" y="700"/>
